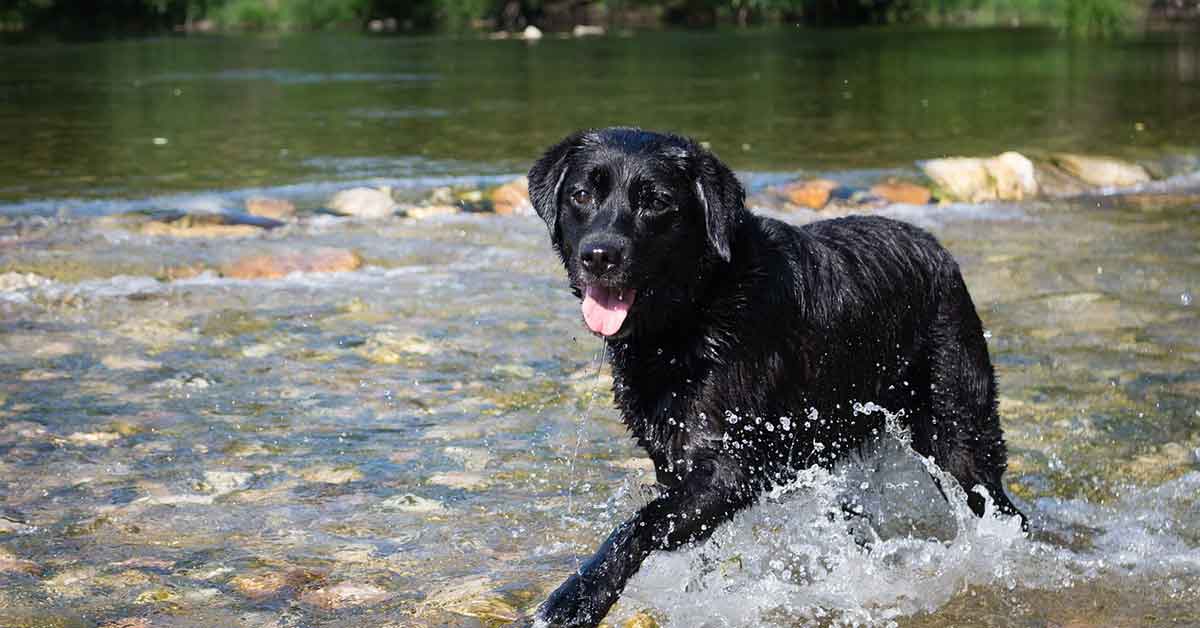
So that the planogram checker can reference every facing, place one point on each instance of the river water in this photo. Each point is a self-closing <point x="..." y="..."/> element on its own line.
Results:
<point x="429" y="440"/>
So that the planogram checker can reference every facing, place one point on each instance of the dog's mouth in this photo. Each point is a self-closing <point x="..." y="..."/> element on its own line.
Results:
<point x="605" y="309"/>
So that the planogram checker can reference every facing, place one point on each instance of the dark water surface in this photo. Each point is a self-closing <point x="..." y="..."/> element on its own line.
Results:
<point x="82" y="120"/>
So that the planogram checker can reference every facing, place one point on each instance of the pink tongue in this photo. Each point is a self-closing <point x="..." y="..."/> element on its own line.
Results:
<point x="604" y="309"/>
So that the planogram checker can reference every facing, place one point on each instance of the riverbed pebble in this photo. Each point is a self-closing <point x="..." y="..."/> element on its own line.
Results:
<point x="278" y="265"/>
<point x="277" y="208"/>
<point x="1009" y="176"/>
<point x="902" y="192"/>
<point x="373" y="203"/>
<point x="207" y="225"/>
<point x="813" y="194"/>
<point x="1102" y="171"/>
<point x="512" y="198"/>
<point x="331" y="475"/>
<point x="343" y="595"/>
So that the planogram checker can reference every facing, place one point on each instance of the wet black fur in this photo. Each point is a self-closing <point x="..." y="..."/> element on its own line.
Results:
<point x="740" y="320"/>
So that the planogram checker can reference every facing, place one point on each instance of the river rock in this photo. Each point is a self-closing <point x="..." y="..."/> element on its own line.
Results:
<point x="12" y="564"/>
<point x="331" y="475"/>
<point x="1102" y="171"/>
<point x="1006" y="177"/>
<point x="128" y="363"/>
<point x="364" y="203"/>
<point x="277" y="208"/>
<point x="813" y="194"/>
<point x="206" y="225"/>
<point x="902" y="192"/>
<point x="465" y="480"/>
<point x="512" y="198"/>
<point x="344" y="594"/>
<point x="276" y="266"/>
<point x="412" y="503"/>
<point x="10" y="282"/>
<point x="429" y="211"/>
<point x="641" y="619"/>
<point x="531" y="33"/>
<point x="474" y="597"/>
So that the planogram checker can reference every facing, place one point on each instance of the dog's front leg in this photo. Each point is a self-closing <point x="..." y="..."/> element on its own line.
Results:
<point x="687" y="512"/>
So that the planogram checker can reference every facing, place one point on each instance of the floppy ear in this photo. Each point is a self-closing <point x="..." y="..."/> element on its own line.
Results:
<point x="723" y="200"/>
<point x="545" y="182"/>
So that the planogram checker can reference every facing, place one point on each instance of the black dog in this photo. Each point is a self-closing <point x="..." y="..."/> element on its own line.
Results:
<point x="739" y="344"/>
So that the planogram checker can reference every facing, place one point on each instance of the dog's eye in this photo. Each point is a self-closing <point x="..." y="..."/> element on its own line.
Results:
<point x="657" y="203"/>
<point x="581" y="197"/>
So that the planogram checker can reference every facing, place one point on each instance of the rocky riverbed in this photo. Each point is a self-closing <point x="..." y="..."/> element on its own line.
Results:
<point x="379" y="407"/>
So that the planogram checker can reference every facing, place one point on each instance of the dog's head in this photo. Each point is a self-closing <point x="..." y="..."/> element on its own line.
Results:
<point x="639" y="219"/>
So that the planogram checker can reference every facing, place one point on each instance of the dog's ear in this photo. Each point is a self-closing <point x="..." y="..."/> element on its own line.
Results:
<point x="545" y="181"/>
<point x="723" y="200"/>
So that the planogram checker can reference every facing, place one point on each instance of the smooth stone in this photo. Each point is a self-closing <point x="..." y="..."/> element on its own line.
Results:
<point x="474" y="597"/>
<point x="331" y="475"/>
<point x="276" y="208"/>
<point x="641" y="619"/>
<point x="13" y="281"/>
<point x="344" y="594"/>
<point x="459" y="479"/>
<point x="512" y="198"/>
<point x="1009" y="176"/>
<point x="429" y="211"/>
<point x="813" y="194"/>
<point x="276" y="266"/>
<point x="55" y="349"/>
<point x="224" y="482"/>
<point x="128" y="363"/>
<point x="471" y="459"/>
<point x="531" y="33"/>
<point x="364" y="203"/>
<point x="1102" y="171"/>
<point x="11" y="564"/>
<point x="902" y="192"/>
<point x="127" y="622"/>
<point x="206" y="225"/>
<point x="101" y="439"/>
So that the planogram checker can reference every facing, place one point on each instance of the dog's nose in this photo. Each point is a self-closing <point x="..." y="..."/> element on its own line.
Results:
<point x="600" y="258"/>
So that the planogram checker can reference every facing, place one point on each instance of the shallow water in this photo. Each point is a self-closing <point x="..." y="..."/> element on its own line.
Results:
<point x="429" y="440"/>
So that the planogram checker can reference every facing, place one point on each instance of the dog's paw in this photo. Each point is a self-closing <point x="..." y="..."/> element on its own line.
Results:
<point x="569" y="606"/>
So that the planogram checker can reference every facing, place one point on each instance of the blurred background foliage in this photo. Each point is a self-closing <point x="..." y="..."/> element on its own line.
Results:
<point x="104" y="17"/>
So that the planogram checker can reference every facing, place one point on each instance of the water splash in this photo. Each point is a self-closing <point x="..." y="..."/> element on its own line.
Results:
<point x="797" y="558"/>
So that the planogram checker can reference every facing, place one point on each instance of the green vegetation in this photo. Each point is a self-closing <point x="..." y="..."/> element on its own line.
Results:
<point x="101" y="17"/>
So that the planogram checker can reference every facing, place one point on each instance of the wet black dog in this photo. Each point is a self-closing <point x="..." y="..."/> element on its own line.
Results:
<point x="740" y="344"/>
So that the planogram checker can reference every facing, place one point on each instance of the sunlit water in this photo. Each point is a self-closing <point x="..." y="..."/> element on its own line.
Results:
<point x="429" y="440"/>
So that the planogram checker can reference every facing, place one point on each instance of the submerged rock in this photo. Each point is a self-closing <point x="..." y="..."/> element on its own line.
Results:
<point x="277" y="208"/>
<point x="344" y="594"/>
<point x="641" y="619"/>
<point x="331" y="475"/>
<point x="276" y="266"/>
<point x="512" y="198"/>
<point x="474" y="597"/>
<point x="1102" y="171"/>
<point x="11" y="564"/>
<point x="813" y="194"/>
<point x="412" y="503"/>
<point x="274" y="583"/>
<point x="1009" y="176"/>
<point x="364" y="203"/>
<point x="206" y="225"/>
<point x="902" y="192"/>
<point x="429" y="211"/>
<point x="128" y="363"/>
<point x="10" y="282"/>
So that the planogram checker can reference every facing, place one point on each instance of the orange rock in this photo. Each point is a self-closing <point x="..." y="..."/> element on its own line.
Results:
<point x="902" y="192"/>
<point x="813" y="194"/>
<point x="276" y="208"/>
<point x="512" y="198"/>
<point x="322" y="260"/>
